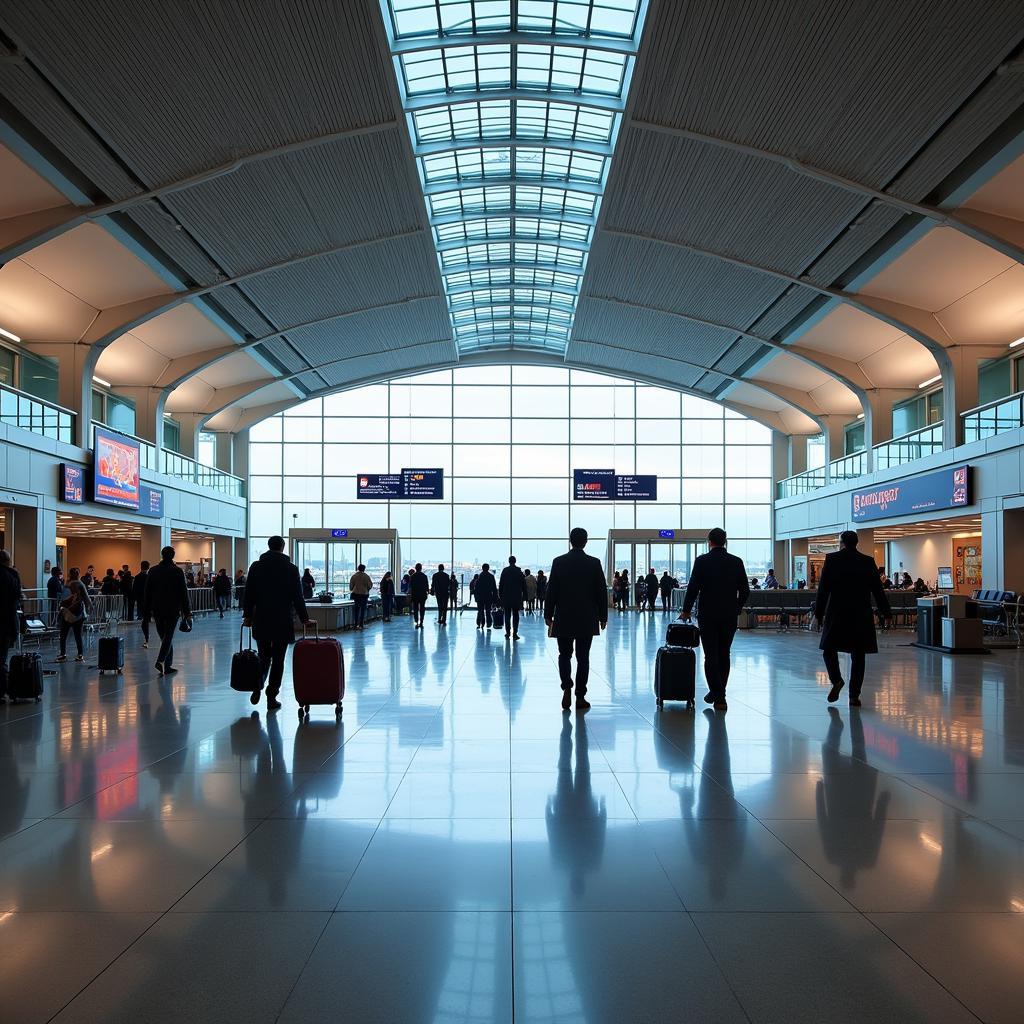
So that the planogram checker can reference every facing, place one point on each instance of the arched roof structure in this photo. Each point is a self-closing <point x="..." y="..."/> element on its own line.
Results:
<point x="224" y="210"/>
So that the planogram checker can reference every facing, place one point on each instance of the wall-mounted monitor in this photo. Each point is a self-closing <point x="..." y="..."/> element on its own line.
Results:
<point x="115" y="474"/>
<point x="151" y="501"/>
<point x="72" y="484"/>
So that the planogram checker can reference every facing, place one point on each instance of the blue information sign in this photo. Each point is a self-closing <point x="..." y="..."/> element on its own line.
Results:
<point x="339" y="533"/>
<point x="151" y="501"/>
<point x="418" y="484"/>
<point x="72" y="483"/>
<point x="593" y="484"/>
<point x="667" y="534"/>
<point x="636" y="488"/>
<point x="949" y="488"/>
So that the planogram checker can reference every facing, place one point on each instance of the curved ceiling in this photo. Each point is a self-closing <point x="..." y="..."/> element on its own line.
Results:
<point x="231" y="208"/>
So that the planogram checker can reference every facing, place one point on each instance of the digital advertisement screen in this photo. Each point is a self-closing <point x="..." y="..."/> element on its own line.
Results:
<point x="593" y="484"/>
<point x="116" y="470"/>
<point x="72" y="483"/>
<point x="151" y="501"/>
<point x="418" y="484"/>
<point x="949" y="488"/>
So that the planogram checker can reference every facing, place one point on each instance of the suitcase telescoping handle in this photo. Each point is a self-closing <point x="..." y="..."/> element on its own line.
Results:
<point x="316" y="630"/>
<point x="241" y="634"/>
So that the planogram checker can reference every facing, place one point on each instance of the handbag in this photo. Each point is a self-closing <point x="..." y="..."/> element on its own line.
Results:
<point x="186" y="624"/>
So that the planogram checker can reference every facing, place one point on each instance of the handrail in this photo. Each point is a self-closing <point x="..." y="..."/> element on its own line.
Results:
<point x="178" y="465"/>
<point x="993" y="418"/>
<point x="908" y="447"/>
<point x="993" y="403"/>
<point x="909" y="435"/>
<point x="147" y="449"/>
<point x="36" y="415"/>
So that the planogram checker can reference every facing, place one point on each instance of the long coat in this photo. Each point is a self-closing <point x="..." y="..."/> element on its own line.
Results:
<point x="577" y="597"/>
<point x="272" y="593"/>
<point x="486" y="590"/>
<point x="848" y="582"/>
<point x="511" y="587"/>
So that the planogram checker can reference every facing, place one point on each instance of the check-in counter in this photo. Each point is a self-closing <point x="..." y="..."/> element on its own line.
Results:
<point x="340" y="614"/>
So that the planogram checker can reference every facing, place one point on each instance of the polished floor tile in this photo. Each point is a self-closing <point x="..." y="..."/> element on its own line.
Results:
<point x="457" y="849"/>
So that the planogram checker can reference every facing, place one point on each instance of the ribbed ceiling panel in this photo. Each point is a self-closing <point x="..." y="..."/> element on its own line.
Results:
<point x="738" y="205"/>
<point x="384" y="364"/>
<point x="857" y="88"/>
<point x="331" y="195"/>
<point x="176" y="86"/>
<point x="739" y="355"/>
<point x="630" y="364"/>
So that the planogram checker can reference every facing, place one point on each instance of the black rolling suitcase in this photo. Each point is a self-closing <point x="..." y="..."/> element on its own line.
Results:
<point x="675" y="673"/>
<point x="25" y="677"/>
<point x="110" y="654"/>
<point x="246" y="674"/>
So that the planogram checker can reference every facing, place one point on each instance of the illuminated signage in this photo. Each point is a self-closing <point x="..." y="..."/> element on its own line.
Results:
<point x="72" y="483"/>
<point x="151" y="501"/>
<point x="607" y="485"/>
<point x="116" y="470"/>
<point x="417" y="484"/>
<point x="949" y="488"/>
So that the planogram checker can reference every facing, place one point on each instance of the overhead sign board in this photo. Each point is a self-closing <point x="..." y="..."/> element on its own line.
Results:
<point x="340" y="534"/>
<point x="607" y="485"/>
<point x="947" y="488"/>
<point x="415" y="484"/>
<point x="593" y="484"/>
<point x="151" y="501"/>
<point x="72" y="484"/>
<point x="667" y="534"/>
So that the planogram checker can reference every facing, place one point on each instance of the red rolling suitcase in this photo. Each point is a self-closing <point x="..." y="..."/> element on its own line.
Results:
<point x="318" y="672"/>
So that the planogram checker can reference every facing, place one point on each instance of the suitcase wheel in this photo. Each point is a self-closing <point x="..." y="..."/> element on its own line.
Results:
<point x="337" y="709"/>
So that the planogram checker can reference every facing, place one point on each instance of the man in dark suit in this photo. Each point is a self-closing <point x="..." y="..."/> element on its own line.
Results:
<point x="843" y="606"/>
<point x="511" y="592"/>
<point x="486" y="593"/>
<point x="576" y="610"/>
<point x="718" y="585"/>
<point x="165" y="601"/>
<point x="419" y="588"/>
<point x="273" y="591"/>
<point x="440" y="583"/>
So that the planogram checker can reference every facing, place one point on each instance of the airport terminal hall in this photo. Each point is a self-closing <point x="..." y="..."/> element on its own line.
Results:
<point x="511" y="511"/>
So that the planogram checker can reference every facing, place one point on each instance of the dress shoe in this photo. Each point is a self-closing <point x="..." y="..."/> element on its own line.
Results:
<point x="833" y="694"/>
<point x="566" y="700"/>
<point x="254" y="697"/>
<point x="709" y="698"/>
<point x="854" y="702"/>
<point x="515" y="636"/>
<point x="273" y="705"/>
<point x="720" y="705"/>
<point x="582" y="704"/>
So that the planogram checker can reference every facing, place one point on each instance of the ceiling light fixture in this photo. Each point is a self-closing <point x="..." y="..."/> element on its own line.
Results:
<point x="1013" y="344"/>
<point x="14" y="337"/>
<point x="860" y="415"/>
<point x="100" y="381"/>
<point x="923" y="384"/>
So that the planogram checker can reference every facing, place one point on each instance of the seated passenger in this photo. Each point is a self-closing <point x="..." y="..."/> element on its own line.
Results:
<point x="771" y="581"/>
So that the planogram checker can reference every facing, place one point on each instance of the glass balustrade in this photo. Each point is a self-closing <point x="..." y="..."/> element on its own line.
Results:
<point x="33" y="414"/>
<point x="995" y="418"/>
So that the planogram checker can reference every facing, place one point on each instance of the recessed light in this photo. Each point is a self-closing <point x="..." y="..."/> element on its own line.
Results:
<point x="14" y="337"/>
<point x="930" y="380"/>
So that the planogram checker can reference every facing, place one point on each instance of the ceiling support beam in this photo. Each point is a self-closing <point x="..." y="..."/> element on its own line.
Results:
<point x="22" y="233"/>
<point x="1003" y="234"/>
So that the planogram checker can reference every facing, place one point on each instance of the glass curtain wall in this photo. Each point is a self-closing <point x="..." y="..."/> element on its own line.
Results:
<point x="508" y="439"/>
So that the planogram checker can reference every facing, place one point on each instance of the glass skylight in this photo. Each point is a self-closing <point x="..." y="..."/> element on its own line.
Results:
<point x="513" y="109"/>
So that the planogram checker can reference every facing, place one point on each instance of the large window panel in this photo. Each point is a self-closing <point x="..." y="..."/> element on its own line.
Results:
<point x="662" y="459"/>
<point x="533" y="554"/>
<point x="264" y="488"/>
<point x="701" y="517"/>
<point x="421" y="456"/>
<point x="303" y="428"/>
<point x="350" y="459"/>
<point x="305" y="459"/>
<point x="540" y="401"/>
<point x="656" y="403"/>
<point x="540" y="521"/>
<point x="748" y="520"/>
<point x="482" y="401"/>
<point x="271" y="429"/>
<point x="592" y="402"/>
<point x="481" y="520"/>
<point x="703" y="431"/>
<point x="481" y="460"/>
<point x="302" y="514"/>
<point x="492" y="432"/>
<point x="541" y="431"/>
<point x="266" y="458"/>
<point x="706" y="460"/>
<point x="264" y="519"/>
<point x="540" y="460"/>
<point x="750" y="460"/>
<point x="657" y="432"/>
<point x="466" y="490"/>
<point x="303" y="488"/>
<point x="528" y="489"/>
<point x="704" y="491"/>
<point x="422" y="518"/>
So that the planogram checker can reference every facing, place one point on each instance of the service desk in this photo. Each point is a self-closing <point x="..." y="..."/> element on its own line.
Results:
<point x="339" y="614"/>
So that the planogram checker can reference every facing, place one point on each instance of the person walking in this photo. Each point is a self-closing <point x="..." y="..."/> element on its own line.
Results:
<point x="530" y="591"/>
<point x="308" y="585"/>
<point x="666" y="585"/>
<point x="139" y="596"/>
<point x="542" y="589"/>
<point x="110" y="586"/>
<point x="419" y="588"/>
<point x="124" y="585"/>
<point x="651" y="590"/>
<point x="89" y="577"/>
<point x="439" y="584"/>
<point x="273" y="593"/>
<point x="75" y="603"/>
<point x="486" y="593"/>
<point x="54" y="590"/>
<point x="453" y="593"/>
<point x="10" y="622"/>
<point x="359" y="586"/>
<point x="624" y="590"/>
<point x="239" y="587"/>
<point x="511" y="591"/>
<point x="849" y="580"/>
<point x="576" y="610"/>
<point x="640" y="587"/>
<point x="166" y="601"/>
<point x="222" y="591"/>
<point x="718" y="586"/>
<point x="387" y="596"/>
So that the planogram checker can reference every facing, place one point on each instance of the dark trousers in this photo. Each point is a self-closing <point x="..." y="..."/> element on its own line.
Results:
<point x="453" y="601"/>
<point x="511" y="619"/>
<point x="665" y="599"/>
<point x="272" y="654"/>
<point x="387" y="602"/>
<point x="5" y="647"/>
<point x="223" y="602"/>
<point x="716" y="638"/>
<point x="442" y="609"/>
<point x="419" y="609"/>
<point x="129" y="607"/>
<point x="70" y="627"/>
<point x="165" y="630"/>
<point x="483" y="613"/>
<point x="566" y="644"/>
<point x="360" y="608"/>
<point x="835" y="674"/>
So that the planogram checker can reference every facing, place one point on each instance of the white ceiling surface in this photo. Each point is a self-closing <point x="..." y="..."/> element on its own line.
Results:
<point x="976" y="295"/>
